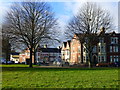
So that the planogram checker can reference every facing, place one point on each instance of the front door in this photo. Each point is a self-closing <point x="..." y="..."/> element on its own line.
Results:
<point x="95" y="60"/>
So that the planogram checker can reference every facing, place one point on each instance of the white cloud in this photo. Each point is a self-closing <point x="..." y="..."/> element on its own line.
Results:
<point x="112" y="7"/>
<point x="72" y="8"/>
<point x="4" y="7"/>
<point x="63" y="20"/>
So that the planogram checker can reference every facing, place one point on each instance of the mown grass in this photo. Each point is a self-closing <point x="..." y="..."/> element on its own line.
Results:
<point x="23" y="77"/>
<point x="15" y="65"/>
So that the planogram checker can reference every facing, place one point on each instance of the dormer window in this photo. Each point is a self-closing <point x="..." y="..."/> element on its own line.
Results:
<point x="101" y="40"/>
<point x="114" y="40"/>
<point x="94" y="49"/>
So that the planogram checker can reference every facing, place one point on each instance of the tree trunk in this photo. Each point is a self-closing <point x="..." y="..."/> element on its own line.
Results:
<point x="7" y="51"/>
<point x="30" y="62"/>
<point x="34" y="57"/>
<point x="90" y="59"/>
<point x="7" y="56"/>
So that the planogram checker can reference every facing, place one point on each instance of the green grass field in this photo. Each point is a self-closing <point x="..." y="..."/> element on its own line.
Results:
<point x="19" y="76"/>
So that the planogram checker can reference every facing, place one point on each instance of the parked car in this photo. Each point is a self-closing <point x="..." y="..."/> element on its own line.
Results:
<point x="10" y="62"/>
<point x="2" y="61"/>
<point x="112" y="64"/>
<point x="57" y="63"/>
<point x="103" y="64"/>
<point x="115" y="64"/>
<point x="23" y="63"/>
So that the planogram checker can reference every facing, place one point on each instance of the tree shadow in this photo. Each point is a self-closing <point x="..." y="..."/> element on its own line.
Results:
<point x="34" y="69"/>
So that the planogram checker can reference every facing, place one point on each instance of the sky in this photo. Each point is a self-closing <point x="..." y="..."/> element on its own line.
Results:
<point x="65" y="9"/>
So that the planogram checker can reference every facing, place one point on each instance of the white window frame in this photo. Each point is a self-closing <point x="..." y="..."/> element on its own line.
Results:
<point x="111" y="48"/>
<point x="111" y="58"/>
<point x="79" y="49"/>
<point x="114" y="40"/>
<point x="99" y="58"/>
<point x="114" y="58"/>
<point x="116" y="48"/>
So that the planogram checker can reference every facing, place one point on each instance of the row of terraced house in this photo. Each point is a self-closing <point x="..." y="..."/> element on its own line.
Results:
<point x="105" y="51"/>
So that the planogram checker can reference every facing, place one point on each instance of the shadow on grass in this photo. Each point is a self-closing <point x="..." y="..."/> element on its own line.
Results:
<point x="54" y="69"/>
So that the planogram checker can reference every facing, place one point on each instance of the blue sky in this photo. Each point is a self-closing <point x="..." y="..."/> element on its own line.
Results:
<point x="64" y="10"/>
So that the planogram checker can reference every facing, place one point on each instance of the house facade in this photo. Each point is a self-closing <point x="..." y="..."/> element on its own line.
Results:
<point x="47" y="55"/>
<point x="14" y="57"/>
<point x="65" y="51"/>
<point x="113" y="47"/>
<point x="24" y="55"/>
<point x="106" y="50"/>
<point x="75" y="52"/>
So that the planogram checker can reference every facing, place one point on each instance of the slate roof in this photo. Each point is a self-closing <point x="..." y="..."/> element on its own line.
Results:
<point x="14" y="53"/>
<point x="65" y="44"/>
<point x="50" y="50"/>
<point x="69" y="41"/>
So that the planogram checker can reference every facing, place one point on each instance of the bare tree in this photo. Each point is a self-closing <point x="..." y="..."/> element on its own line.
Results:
<point x="29" y="23"/>
<point x="88" y="22"/>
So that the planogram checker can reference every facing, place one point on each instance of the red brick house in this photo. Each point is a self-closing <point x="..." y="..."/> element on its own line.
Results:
<point x="113" y="47"/>
<point x="106" y="50"/>
<point x="24" y="55"/>
<point x="76" y="48"/>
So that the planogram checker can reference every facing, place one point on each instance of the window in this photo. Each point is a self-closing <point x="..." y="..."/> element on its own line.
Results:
<point x="67" y="52"/>
<point x="84" y="58"/>
<point x="115" y="48"/>
<point x="110" y="48"/>
<point x="94" y="49"/>
<point x="101" y="40"/>
<point x="79" y="58"/>
<point x="103" y="48"/>
<point x="99" y="59"/>
<point x="116" y="58"/>
<point x="38" y="54"/>
<point x="103" y="58"/>
<point x="79" y="49"/>
<point x="111" y="58"/>
<point x="114" y="40"/>
<point x="99" y="49"/>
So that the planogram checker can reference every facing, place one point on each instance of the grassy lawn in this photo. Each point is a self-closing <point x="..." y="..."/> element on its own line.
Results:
<point x="23" y="77"/>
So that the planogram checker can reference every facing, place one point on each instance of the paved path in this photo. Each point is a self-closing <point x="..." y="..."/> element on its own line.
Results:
<point x="50" y="67"/>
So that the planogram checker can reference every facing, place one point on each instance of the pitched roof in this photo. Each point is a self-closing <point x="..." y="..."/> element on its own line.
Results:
<point x="14" y="53"/>
<point x="65" y="44"/>
<point x="69" y="41"/>
<point x="50" y="50"/>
